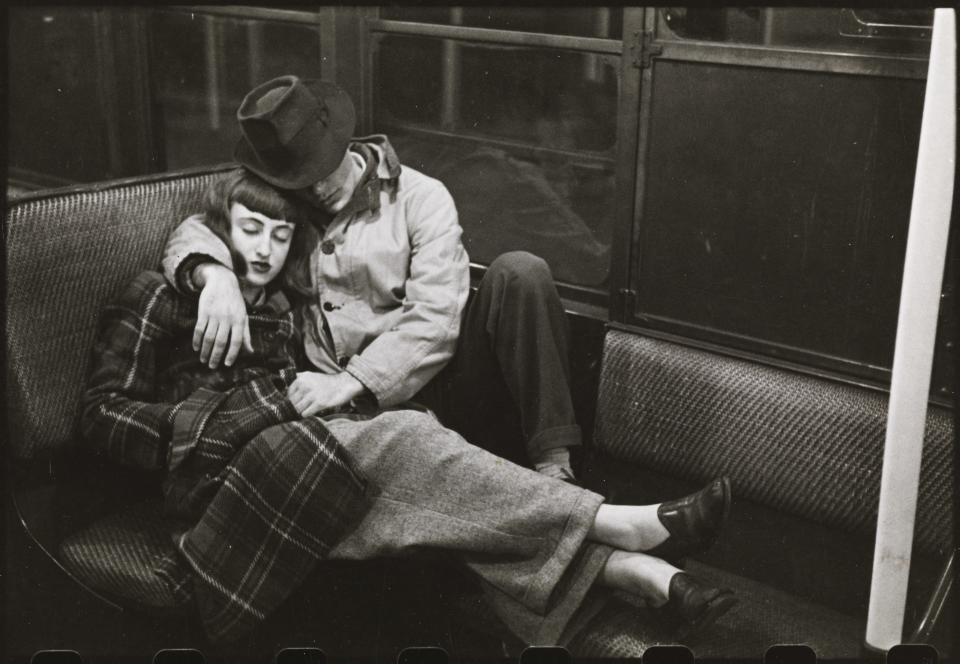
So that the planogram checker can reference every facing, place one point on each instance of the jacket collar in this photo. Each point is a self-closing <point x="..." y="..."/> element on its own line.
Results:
<point x="381" y="173"/>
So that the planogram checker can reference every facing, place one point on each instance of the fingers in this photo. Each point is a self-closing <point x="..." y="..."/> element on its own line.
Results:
<point x="219" y="345"/>
<point x="208" y="340"/>
<point x="294" y="393"/>
<point x="247" y="340"/>
<point x="305" y="399"/>
<point x="198" y="334"/>
<point x="238" y="333"/>
<point x="305" y="405"/>
<point x="312" y="409"/>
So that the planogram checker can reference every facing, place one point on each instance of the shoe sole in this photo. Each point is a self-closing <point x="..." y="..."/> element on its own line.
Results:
<point x="718" y="607"/>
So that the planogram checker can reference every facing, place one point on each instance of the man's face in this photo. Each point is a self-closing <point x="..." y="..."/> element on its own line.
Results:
<point x="333" y="192"/>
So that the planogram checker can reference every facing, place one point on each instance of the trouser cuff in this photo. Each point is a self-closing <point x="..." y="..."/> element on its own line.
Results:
<point x="568" y="435"/>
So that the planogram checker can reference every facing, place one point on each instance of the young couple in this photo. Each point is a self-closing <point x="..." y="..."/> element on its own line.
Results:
<point x="334" y="286"/>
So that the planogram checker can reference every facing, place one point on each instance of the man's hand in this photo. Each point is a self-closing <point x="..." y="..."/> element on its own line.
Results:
<point x="221" y="316"/>
<point x="313" y="392"/>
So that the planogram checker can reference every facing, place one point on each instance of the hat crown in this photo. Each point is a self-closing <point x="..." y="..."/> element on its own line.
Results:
<point x="280" y="112"/>
<point x="294" y="131"/>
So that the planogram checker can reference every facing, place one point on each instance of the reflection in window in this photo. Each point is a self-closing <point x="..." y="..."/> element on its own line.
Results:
<point x="524" y="139"/>
<point x="882" y="32"/>
<point x="912" y="17"/>
<point x="603" y="22"/>
<point x="205" y="65"/>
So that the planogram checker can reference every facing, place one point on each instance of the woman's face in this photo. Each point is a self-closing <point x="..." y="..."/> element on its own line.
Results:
<point x="263" y="242"/>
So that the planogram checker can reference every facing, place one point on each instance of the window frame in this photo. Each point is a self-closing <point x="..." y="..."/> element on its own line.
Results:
<point x="626" y="310"/>
<point x="589" y="301"/>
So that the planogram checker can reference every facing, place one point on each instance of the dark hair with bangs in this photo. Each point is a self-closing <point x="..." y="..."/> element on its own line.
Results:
<point x="242" y="186"/>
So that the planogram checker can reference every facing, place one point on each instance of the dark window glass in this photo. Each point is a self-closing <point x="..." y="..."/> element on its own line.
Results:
<point x="204" y="65"/>
<point x="409" y="78"/>
<point x="56" y="113"/>
<point x="524" y="139"/>
<point x="785" y="220"/>
<point x="874" y="31"/>
<point x="603" y="22"/>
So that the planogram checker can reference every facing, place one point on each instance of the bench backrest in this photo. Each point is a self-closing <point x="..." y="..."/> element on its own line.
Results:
<point x="803" y="445"/>
<point x="69" y="252"/>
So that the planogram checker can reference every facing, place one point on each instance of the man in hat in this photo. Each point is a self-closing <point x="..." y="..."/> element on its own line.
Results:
<point x="388" y="319"/>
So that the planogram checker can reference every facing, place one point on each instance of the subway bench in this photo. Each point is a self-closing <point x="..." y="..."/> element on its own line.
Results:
<point x="803" y="453"/>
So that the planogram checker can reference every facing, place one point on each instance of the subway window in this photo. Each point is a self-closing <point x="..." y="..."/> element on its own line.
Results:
<point x="525" y="138"/>
<point x="780" y="146"/>
<point x="204" y="64"/>
<point x="54" y="99"/>
<point x="886" y="31"/>
<point x="741" y="175"/>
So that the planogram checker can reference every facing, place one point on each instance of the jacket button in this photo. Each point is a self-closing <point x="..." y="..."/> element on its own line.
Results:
<point x="327" y="306"/>
<point x="327" y="247"/>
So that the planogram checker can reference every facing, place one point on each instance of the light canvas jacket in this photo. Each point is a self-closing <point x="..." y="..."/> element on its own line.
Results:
<point x="390" y="277"/>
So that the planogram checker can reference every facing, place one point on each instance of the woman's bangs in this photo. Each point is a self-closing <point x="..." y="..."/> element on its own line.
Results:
<point x="261" y="197"/>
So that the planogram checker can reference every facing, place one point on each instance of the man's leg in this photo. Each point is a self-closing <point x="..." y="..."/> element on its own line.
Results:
<point x="508" y="385"/>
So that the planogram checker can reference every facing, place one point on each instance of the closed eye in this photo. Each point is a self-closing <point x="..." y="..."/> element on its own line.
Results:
<point x="251" y="226"/>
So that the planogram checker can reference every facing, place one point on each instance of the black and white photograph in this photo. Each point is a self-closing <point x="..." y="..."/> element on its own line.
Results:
<point x="428" y="334"/>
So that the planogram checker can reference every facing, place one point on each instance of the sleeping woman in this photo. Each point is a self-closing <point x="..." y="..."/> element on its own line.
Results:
<point x="257" y="494"/>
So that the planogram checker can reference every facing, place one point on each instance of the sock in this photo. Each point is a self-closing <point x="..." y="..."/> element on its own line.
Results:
<point x="553" y="462"/>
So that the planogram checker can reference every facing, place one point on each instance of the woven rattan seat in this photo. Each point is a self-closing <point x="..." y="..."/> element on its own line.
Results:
<point x="764" y="616"/>
<point x="801" y="452"/>
<point x="801" y="445"/>
<point x="130" y="556"/>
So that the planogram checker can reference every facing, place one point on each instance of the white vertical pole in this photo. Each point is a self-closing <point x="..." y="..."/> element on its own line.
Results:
<point x="916" y="333"/>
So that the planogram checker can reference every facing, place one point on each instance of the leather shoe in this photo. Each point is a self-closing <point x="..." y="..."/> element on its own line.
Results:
<point x="694" y="522"/>
<point x="694" y="605"/>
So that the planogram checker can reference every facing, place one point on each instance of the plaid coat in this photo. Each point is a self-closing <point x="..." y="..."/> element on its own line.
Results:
<point x="261" y="493"/>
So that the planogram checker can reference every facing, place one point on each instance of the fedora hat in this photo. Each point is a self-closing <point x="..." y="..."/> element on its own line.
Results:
<point x="294" y="132"/>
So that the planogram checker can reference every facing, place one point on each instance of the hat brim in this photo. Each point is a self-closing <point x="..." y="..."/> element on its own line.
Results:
<point x="324" y="149"/>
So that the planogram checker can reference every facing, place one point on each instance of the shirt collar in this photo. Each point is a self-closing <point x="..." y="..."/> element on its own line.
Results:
<point x="366" y="195"/>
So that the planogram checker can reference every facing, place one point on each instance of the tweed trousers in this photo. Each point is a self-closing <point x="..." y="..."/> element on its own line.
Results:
<point x="520" y="533"/>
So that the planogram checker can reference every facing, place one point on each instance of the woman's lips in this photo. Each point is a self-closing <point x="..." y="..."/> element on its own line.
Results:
<point x="260" y="266"/>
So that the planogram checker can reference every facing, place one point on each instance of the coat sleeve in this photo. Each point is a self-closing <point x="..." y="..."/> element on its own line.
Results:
<point x="190" y="244"/>
<point x="120" y="415"/>
<point x="400" y="361"/>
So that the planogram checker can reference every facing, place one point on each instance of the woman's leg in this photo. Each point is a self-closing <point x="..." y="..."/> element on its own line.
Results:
<point x="668" y="530"/>
<point x="629" y="527"/>
<point x="520" y="532"/>
<point x="684" y="601"/>
<point x="639" y="574"/>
